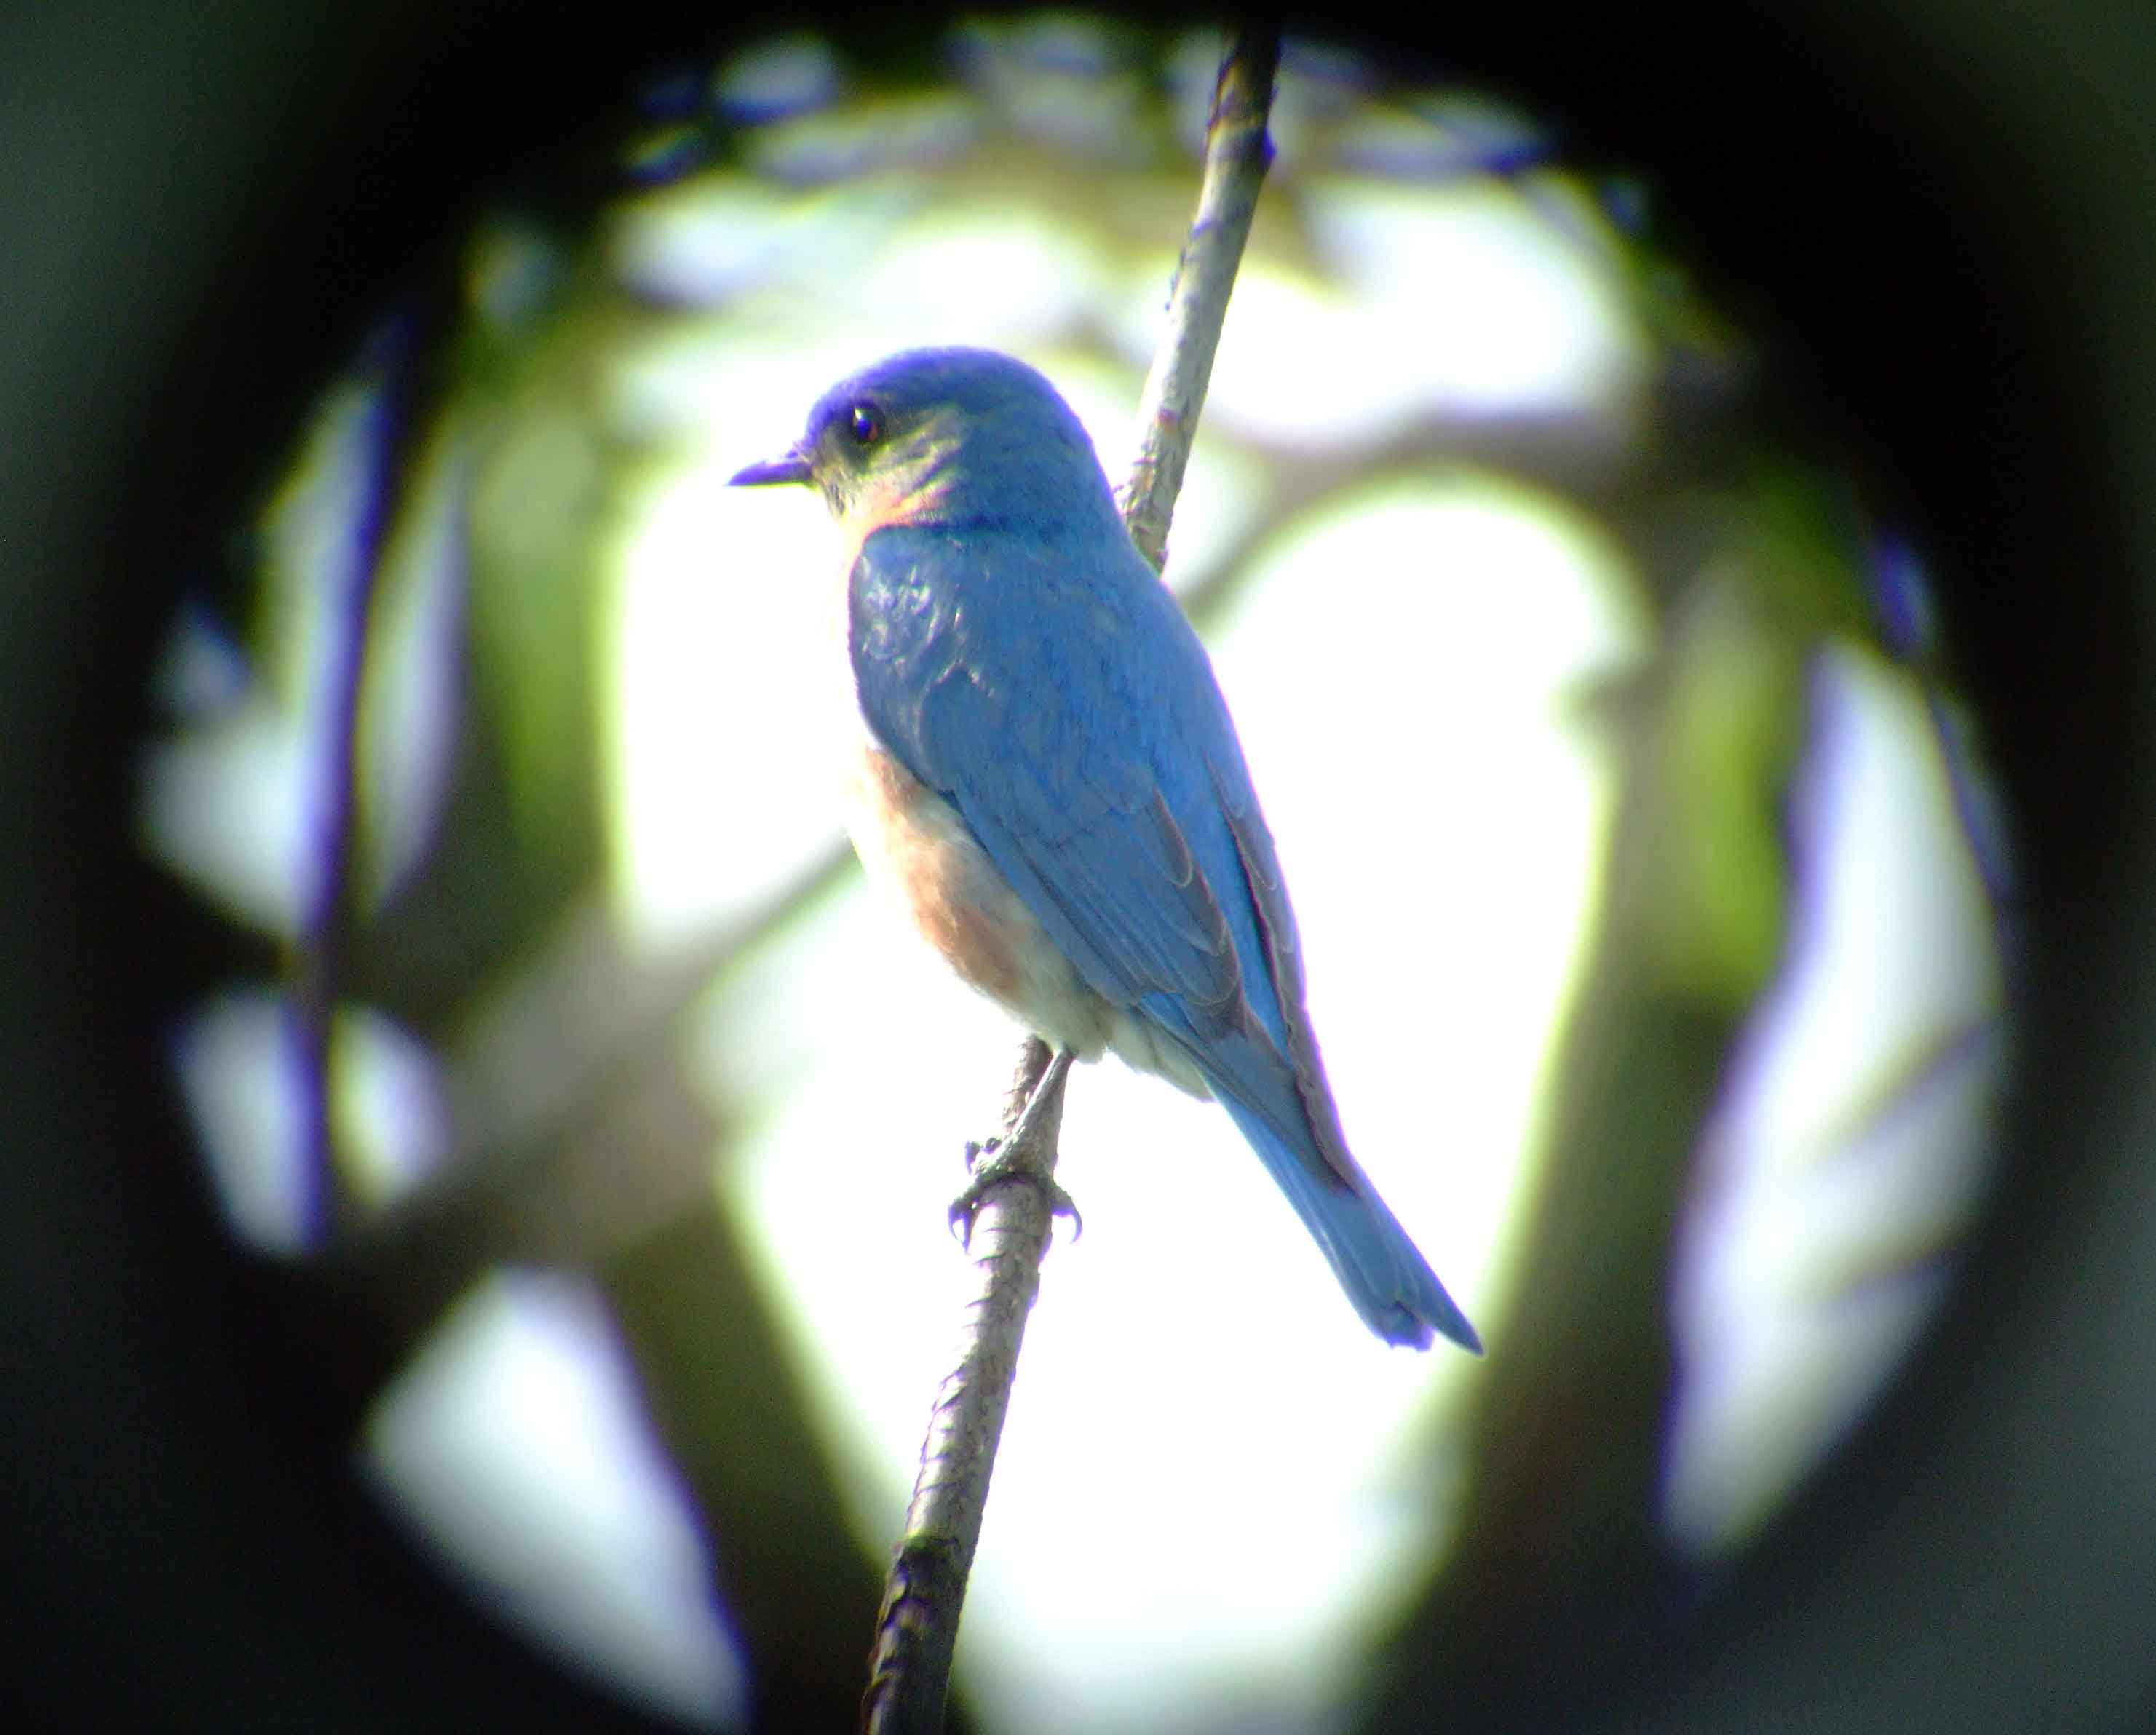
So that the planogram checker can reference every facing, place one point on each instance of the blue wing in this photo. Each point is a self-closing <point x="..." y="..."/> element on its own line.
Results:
<point x="1058" y="698"/>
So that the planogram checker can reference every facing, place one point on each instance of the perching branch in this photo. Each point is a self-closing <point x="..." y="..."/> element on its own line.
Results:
<point x="917" y="1630"/>
<point x="1238" y="152"/>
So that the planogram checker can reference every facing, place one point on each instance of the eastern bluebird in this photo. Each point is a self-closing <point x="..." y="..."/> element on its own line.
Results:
<point x="1048" y="780"/>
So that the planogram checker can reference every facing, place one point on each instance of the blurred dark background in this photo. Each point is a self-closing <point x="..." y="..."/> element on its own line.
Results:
<point x="1949" y="211"/>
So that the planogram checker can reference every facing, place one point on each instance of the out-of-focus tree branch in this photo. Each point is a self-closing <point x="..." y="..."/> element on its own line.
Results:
<point x="319" y="957"/>
<point x="1559" y="1542"/>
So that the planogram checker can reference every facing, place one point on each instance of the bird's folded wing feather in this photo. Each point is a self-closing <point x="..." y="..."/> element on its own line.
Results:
<point x="1071" y="717"/>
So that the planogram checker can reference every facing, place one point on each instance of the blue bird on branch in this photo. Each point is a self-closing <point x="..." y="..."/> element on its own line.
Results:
<point x="1049" y="783"/>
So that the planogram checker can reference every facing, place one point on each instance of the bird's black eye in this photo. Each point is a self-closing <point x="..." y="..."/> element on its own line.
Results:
<point x="865" y="424"/>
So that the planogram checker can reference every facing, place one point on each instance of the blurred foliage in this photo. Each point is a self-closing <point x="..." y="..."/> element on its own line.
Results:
<point x="1561" y="1542"/>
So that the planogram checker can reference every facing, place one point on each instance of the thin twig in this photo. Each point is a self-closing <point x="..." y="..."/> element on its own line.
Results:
<point x="909" y="1665"/>
<point x="917" y="1631"/>
<point x="1238" y="152"/>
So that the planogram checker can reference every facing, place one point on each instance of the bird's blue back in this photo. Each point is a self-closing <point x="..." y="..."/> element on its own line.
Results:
<point x="1054" y="692"/>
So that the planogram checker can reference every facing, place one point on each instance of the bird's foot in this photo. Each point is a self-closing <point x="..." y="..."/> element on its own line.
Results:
<point x="992" y="1164"/>
<point x="1025" y="1153"/>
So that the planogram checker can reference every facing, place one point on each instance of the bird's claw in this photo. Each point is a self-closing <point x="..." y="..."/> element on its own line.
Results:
<point x="992" y="1164"/>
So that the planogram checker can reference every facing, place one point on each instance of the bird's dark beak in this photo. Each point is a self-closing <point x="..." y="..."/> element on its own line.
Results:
<point x="794" y="467"/>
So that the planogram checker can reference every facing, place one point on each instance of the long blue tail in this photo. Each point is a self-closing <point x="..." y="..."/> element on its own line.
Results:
<point x="1383" y="1272"/>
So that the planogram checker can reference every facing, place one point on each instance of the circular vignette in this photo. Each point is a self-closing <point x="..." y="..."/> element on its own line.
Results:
<point x="1896" y="196"/>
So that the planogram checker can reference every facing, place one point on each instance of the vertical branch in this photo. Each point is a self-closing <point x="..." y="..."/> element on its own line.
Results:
<point x="328" y="906"/>
<point x="917" y="1630"/>
<point x="1238" y="152"/>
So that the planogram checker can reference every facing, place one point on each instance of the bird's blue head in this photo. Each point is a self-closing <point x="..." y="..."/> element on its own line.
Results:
<point x="947" y="437"/>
